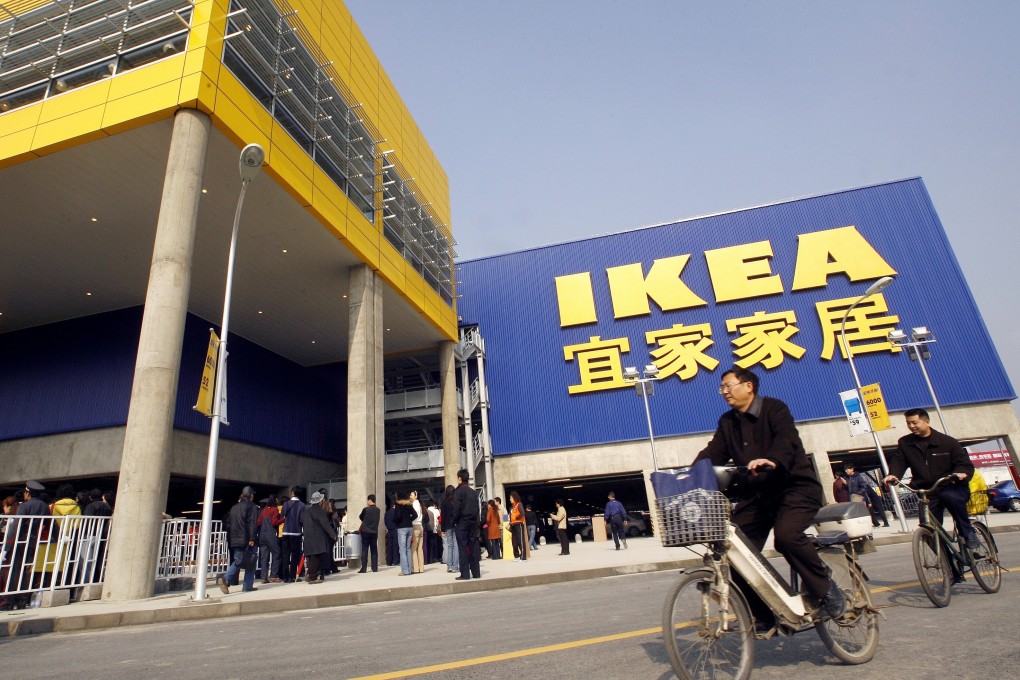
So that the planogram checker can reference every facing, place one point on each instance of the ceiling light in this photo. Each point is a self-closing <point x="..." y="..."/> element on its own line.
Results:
<point x="94" y="219"/>
<point x="260" y="311"/>
<point x="87" y="294"/>
<point x="205" y="191"/>
<point x="313" y="342"/>
<point x="284" y="250"/>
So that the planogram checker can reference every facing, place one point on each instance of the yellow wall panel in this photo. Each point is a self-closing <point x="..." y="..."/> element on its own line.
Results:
<point x="240" y="102"/>
<point x="290" y="173"/>
<point x="237" y="126"/>
<point x="20" y="119"/>
<point x="147" y="77"/>
<point x="78" y="99"/>
<point x="77" y="128"/>
<point x="198" y="92"/>
<point x="16" y="147"/>
<point x="392" y="266"/>
<point x="141" y="107"/>
<point x="363" y="239"/>
<point x="332" y="214"/>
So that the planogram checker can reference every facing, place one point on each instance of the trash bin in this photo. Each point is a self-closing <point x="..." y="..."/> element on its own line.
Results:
<point x="352" y="546"/>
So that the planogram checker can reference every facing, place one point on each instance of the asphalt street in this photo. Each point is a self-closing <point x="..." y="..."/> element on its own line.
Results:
<point x="585" y="630"/>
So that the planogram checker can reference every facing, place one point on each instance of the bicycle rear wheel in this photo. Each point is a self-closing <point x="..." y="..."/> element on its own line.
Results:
<point x="853" y="637"/>
<point x="932" y="563"/>
<point x="986" y="570"/>
<point x="692" y="629"/>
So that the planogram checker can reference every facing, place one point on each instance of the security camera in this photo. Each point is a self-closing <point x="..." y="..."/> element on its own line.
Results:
<point x="252" y="158"/>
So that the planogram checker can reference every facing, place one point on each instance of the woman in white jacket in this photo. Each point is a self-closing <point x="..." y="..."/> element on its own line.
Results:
<point x="417" y="552"/>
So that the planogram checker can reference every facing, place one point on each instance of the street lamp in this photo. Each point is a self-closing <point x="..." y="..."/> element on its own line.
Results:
<point x="249" y="164"/>
<point x="918" y="351"/>
<point x="645" y="386"/>
<point x="876" y="287"/>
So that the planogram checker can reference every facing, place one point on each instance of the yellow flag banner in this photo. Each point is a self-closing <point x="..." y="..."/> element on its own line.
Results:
<point x="205" y="390"/>
<point x="875" y="404"/>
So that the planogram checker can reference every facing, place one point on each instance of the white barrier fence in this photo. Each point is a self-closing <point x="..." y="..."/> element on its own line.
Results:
<point x="40" y="553"/>
<point x="50" y="553"/>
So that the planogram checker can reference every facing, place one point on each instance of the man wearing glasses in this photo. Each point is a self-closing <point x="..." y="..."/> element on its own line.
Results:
<point x="782" y="494"/>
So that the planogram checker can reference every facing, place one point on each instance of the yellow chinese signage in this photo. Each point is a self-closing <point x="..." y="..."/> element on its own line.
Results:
<point x="873" y="401"/>
<point x="205" y="390"/>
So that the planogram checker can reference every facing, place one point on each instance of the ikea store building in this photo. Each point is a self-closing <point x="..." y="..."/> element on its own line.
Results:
<point x="358" y="360"/>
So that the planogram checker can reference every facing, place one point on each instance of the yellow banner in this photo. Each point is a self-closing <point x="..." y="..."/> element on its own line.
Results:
<point x="875" y="404"/>
<point x="205" y="390"/>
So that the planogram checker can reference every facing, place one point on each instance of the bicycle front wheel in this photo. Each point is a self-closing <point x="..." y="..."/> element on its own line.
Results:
<point x="853" y="637"/>
<point x="932" y="563"/>
<point x="986" y="570"/>
<point x="702" y="640"/>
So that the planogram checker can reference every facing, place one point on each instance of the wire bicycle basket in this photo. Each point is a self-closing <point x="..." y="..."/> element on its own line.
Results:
<point x="693" y="517"/>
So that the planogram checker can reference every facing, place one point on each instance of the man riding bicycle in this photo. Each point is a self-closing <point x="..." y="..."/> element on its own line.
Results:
<point x="931" y="455"/>
<point x="759" y="433"/>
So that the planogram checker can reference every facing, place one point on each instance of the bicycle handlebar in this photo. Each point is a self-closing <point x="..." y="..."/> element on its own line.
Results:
<point x="939" y="483"/>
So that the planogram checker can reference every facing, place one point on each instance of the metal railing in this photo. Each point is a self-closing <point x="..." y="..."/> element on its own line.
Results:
<point x="178" y="552"/>
<point x="420" y="459"/>
<point x="49" y="553"/>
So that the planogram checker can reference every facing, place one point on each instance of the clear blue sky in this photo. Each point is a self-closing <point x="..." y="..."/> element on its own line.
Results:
<point x="557" y="121"/>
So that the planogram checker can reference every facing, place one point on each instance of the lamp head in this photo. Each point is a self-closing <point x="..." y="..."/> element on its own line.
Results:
<point x="651" y="371"/>
<point x="252" y="158"/>
<point x="897" y="337"/>
<point x="878" y="286"/>
<point x="921" y="334"/>
<point x="630" y="373"/>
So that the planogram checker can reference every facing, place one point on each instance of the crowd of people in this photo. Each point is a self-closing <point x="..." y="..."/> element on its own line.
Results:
<point x="17" y="563"/>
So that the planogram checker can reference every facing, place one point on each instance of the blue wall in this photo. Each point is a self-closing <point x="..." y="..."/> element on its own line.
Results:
<point x="76" y="375"/>
<point x="513" y="299"/>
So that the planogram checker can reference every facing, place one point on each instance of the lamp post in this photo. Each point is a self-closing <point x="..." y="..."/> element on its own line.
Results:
<point x="917" y="350"/>
<point x="645" y="387"/>
<point x="876" y="287"/>
<point x="250" y="162"/>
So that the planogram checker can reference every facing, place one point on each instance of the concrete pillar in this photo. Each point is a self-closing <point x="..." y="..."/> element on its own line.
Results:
<point x="366" y="417"/>
<point x="148" y="438"/>
<point x="451" y="433"/>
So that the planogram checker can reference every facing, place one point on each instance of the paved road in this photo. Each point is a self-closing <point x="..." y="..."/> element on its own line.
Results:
<point x="590" y="630"/>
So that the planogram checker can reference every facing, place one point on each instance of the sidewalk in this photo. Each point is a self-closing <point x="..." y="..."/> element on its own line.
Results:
<point x="586" y="560"/>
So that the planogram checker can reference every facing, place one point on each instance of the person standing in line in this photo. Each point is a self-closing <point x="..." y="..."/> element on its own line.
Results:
<point x="494" y="534"/>
<point x="518" y="530"/>
<point x="465" y="522"/>
<point x="560" y="517"/>
<point x="783" y="493"/>
<point x="290" y="553"/>
<point x="840" y="489"/>
<point x="616" y="515"/>
<point x="404" y="519"/>
<point x="242" y="533"/>
<point x="417" y="535"/>
<point x="269" y="523"/>
<point x="448" y="532"/>
<point x="531" y="520"/>
<point x="319" y="538"/>
<point x="390" y="520"/>
<point x="435" y="544"/>
<point x="369" y="534"/>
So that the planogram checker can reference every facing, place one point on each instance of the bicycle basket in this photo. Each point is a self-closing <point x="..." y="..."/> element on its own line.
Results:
<point x="698" y="516"/>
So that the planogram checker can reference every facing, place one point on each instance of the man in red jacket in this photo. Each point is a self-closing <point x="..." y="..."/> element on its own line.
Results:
<point x="269" y="542"/>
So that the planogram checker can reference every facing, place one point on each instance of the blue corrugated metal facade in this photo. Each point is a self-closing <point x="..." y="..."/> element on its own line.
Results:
<point x="76" y="375"/>
<point x="513" y="299"/>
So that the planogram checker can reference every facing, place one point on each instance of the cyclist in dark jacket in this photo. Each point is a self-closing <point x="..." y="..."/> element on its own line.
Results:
<point x="931" y="455"/>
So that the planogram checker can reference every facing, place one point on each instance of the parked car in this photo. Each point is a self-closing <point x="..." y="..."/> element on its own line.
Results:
<point x="636" y="526"/>
<point x="1004" y="496"/>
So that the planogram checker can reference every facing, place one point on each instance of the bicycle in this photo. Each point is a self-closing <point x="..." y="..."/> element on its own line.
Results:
<point x="706" y="622"/>
<point x="933" y="547"/>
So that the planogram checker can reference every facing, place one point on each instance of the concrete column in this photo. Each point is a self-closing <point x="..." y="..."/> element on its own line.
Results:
<point x="366" y="417"/>
<point x="148" y="438"/>
<point x="451" y="433"/>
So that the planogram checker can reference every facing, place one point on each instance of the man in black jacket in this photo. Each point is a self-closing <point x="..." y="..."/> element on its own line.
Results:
<point x="369" y="534"/>
<point x="931" y="455"/>
<point x="242" y="533"/>
<point x="465" y="521"/>
<point x="783" y="493"/>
